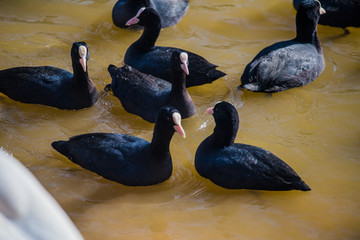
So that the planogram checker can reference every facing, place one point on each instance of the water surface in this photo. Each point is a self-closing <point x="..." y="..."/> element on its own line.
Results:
<point x="315" y="129"/>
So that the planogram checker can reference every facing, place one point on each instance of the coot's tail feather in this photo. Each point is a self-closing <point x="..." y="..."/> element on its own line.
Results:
<point x="108" y="87"/>
<point x="301" y="185"/>
<point x="112" y="69"/>
<point x="61" y="147"/>
<point x="215" y="74"/>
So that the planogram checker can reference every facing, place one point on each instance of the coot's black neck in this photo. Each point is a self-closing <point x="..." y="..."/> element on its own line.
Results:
<point x="223" y="136"/>
<point x="79" y="75"/>
<point x="306" y="25"/>
<point x="178" y="84"/>
<point x="161" y="140"/>
<point x="84" y="90"/>
<point x="150" y="34"/>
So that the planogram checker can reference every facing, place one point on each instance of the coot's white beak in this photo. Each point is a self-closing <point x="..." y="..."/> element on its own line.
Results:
<point x="178" y="128"/>
<point x="184" y="60"/>
<point x="83" y="53"/>
<point x="135" y="19"/>
<point x="210" y="110"/>
<point x="321" y="10"/>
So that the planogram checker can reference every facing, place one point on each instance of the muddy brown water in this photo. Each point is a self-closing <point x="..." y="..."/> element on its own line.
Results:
<point x="315" y="129"/>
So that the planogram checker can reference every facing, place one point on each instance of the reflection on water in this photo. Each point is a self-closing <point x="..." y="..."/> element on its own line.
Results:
<point x="315" y="129"/>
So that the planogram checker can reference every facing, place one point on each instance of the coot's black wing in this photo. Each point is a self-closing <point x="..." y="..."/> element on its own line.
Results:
<point x="157" y="63"/>
<point x="113" y="156"/>
<point x="42" y="85"/>
<point x="139" y="93"/>
<point x="250" y="167"/>
<point x="170" y="11"/>
<point x="282" y="66"/>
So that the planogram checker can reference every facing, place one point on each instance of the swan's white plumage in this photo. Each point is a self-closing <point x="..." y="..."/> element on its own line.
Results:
<point x="27" y="210"/>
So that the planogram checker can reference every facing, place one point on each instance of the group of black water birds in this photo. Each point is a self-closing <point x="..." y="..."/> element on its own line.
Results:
<point x="152" y="84"/>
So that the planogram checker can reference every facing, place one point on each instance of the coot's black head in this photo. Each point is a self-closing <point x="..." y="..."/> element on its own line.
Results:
<point x="80" y="54"/>
<point x="169" y="119"/>
<point x="298" y="3"/>
<point x="312" y="7"/>
<point x="308" y="16"/>
<point x="144" y="17"/>
<point x="227" y="123"/>
<point x="179" y="62"/>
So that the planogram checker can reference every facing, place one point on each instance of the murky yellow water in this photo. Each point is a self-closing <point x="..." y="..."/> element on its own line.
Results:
<point x="315" y="129"/>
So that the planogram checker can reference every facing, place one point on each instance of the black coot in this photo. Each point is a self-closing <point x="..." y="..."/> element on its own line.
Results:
<point x="148" y="58"/>
<point x="292" y="63"/>
<point x="240" y="166"/>
<point x="144" y="95"/>
<point x="170" y="11"/>
<point x="124" y="158"/>
<point x="52" y="86"/>
<point x="339" y="13"/>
